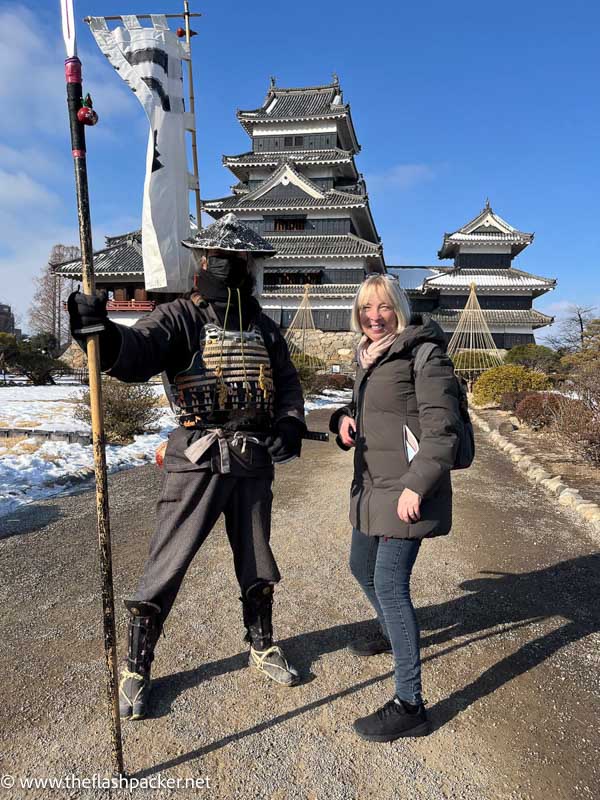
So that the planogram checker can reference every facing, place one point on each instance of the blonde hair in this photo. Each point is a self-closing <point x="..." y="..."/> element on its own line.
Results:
<point x="390" y="287"/>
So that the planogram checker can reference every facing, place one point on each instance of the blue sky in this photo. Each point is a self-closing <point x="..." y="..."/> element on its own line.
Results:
<point x="452" y="102"/>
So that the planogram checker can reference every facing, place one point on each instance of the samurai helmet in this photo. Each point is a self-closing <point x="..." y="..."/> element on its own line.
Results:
<point x="229" y="235"/>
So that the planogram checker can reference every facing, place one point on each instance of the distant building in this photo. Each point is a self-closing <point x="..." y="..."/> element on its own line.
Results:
<point x="483" y="251"/>
<point x="119" y="269"/>
<point x="7" y="320"/>
<point x="299" y="187"/>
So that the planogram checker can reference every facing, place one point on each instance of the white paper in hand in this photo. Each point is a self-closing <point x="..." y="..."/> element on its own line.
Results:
<point x="411" y="444"/>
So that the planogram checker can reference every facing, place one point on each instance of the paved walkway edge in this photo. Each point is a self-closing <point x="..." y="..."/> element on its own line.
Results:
<point x="553" y="485"/>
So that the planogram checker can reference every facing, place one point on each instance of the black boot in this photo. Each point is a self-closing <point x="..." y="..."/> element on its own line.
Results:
<point x="372" y="646"/>
<point x="143" y="633"/>
<point x="264" y="655"/>
<point x="395" y="719"/>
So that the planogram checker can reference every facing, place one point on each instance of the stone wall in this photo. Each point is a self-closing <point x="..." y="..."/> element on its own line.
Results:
<point x="331" y="347"/>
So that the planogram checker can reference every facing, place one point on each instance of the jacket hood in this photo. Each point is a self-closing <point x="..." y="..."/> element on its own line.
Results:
<point x="417" y="332"/>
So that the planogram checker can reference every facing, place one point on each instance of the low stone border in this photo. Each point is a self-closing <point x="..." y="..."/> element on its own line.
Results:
<point x="554" y="486"/>
<point x="53" y="436"/>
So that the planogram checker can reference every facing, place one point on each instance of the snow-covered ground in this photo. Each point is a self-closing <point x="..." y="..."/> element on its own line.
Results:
<point x="32" y="468"/>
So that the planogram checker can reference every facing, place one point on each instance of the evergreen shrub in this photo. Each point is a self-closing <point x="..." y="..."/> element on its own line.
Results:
<point x="471" y="361"/>
<point x="538" y="409"/>
<point x="129" y="409"/>
<point x="534" y="356"/>
<point x="491" y="385"/>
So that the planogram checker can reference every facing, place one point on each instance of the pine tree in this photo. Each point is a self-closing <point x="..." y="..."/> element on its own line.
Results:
<point x="569" y="335"/>
<point x="472" y="346"/>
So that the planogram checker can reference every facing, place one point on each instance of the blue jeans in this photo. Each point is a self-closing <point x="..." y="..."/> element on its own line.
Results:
<point x="383" y="567"/>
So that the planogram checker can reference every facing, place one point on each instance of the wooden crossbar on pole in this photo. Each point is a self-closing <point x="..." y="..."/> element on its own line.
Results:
<point x="148" y="16"/>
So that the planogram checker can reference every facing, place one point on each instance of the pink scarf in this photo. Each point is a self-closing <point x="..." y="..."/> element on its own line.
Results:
<point x="368" y="351"/>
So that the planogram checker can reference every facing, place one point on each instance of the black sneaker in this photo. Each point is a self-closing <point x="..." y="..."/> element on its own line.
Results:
<point x="395" y="719"/>
<point x="370" y="647"/>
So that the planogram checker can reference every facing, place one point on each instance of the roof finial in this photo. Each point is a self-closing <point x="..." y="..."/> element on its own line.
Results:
<point x="273" y="82"/>
<point x="487" y="204"/>
<point x="336" y="80"/>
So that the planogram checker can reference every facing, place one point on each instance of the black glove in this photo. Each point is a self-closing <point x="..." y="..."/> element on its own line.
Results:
<point x="87" y="311"/>
<point x="286" y="442"/>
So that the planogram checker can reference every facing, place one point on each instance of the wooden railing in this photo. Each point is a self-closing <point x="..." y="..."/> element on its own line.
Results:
<point x="313" y="289"/>
<point x="130" y="305"/>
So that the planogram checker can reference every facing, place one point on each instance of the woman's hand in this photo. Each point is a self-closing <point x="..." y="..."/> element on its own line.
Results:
<point x="347" y="431"/>
<point x="409" y="505"/>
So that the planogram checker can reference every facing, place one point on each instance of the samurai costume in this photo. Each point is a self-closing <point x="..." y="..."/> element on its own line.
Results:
<point x="239" y="405"/>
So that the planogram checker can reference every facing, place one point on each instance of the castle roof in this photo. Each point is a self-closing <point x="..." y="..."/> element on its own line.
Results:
<point x="286" y="189"/>
<point x="321" y="246"/>
<point x="485" y="229"/>
<point x="332" y="156"/>
<point x="123" y="257"/>
<point x="494" y="317"/>
<point x="301" y="103"/>
<point x="504" y="280"/>
<point x="291" y="103"/>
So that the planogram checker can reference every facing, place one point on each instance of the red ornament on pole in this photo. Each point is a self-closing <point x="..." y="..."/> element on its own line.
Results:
<point x="87" y="116"/>
<point x="180" y="32"/>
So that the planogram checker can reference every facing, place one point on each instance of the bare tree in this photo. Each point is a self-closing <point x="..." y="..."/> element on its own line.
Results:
<point x="569" y="335"/>
<point x="46" y="313"/>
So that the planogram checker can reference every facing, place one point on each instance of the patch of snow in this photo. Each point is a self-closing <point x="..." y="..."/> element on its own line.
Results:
<point x="330" y="398"/>
<point x="52" y="466"/>
<point x="34" y="469"/>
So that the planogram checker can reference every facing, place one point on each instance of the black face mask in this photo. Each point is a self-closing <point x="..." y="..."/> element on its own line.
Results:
<point x="232" y="271"/>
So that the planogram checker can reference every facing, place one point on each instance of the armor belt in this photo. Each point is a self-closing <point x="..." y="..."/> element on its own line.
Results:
<point x="230" y="374"/>
<point x="223" y="438"/>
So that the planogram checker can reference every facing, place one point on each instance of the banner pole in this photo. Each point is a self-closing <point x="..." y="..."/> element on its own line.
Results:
<point x="188" y="38"/>
<point x="75" y="105"/>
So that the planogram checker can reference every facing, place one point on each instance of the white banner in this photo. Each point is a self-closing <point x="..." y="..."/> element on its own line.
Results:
<point x="149" y="61"/>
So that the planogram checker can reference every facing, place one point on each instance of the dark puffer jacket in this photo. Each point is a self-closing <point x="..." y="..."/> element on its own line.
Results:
<point x="386" y="398"/>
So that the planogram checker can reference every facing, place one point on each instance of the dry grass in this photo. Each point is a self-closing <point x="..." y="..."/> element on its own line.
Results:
<point x="28" y="446"/>
<point x="18" y="445"/>
<point x="51" y="459"/>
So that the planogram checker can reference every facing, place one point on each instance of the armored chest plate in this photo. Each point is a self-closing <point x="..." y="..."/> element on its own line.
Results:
<point x="228" y="379"/>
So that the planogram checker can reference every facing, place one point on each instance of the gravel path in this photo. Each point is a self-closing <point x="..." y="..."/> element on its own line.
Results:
<point x="508" y="606"/>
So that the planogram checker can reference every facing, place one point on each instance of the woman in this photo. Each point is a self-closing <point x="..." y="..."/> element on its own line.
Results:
<point x="398" y="497"/>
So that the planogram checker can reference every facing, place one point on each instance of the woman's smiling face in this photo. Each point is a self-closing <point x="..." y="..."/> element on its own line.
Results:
<point x="377" y="317"/>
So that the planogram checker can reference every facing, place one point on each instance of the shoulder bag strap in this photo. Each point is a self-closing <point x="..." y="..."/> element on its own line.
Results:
<point x="423" y="352"/>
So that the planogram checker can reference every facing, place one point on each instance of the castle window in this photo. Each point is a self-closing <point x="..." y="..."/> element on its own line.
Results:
<point x="298" y="141"/>
<point x="288" y="224"/>
<point x="288" y="141"/>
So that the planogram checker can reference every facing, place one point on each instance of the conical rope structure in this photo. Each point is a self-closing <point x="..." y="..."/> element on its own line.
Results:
<point x="298" y="335"/>
<point x="472" y="346"/>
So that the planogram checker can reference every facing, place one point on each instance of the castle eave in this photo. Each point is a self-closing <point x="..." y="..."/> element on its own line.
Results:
<point x="495" y="317"/>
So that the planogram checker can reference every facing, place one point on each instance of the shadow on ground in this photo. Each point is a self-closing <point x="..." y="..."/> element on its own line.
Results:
<point x="27" y="519"/>
<point x="569" y="592"/>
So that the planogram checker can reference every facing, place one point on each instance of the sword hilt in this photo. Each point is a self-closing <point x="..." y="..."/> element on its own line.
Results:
<point x="316" y="436"/>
